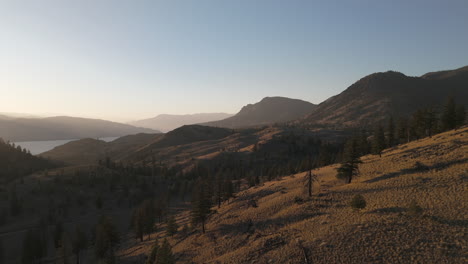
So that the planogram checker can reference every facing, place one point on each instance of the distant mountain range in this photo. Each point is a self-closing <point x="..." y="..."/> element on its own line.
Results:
<point x="166" y="123"/>
<point x="63" y="127"/>
<point x="380" y="95"/>
<point x="370" y="100"/>
<point x="268" y="111"/>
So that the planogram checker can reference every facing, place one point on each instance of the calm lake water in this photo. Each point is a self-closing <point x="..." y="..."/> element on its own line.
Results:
<point x="38" y="147"/>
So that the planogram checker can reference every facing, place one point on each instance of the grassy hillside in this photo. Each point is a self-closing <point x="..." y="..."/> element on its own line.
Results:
<point x="278" y="223"/>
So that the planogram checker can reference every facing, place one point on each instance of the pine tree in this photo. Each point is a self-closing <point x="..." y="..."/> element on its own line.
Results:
<point x="350" y="165"/>
<point x="33" y="248"/>
<point x="363" y="144"/>
<point x="164" y="255"/>
<point x="154" y="251"/>
<point x="378" y="143"/>
<point x="391" y="133"/>
<point x="2" y="252"/>
<point x="107" y="239"/>
<point x="79" y="243"/>
<point x="15" y="204"/>
<point x="201" y="203"/>
<point x="310" y="178"/>
<point x="218" y="190"/>
<point x="228" y="189"/>
<point x="448" y="118"/>
<point x="171" y="226"/>
<point x="460" y="116"/>
<point x="143" y="219"/>
<point x="58" y="234"/>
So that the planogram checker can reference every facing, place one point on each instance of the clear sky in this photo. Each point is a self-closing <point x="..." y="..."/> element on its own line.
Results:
<point x="125" y="60"/>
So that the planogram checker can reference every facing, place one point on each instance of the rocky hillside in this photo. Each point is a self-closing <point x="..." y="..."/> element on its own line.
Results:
<point x="278" y="223"/>
<point x="379" y="95"/>
<point x="268" y="111"/>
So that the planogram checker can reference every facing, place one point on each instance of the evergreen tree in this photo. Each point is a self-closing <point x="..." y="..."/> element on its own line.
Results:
<point x="350" y="166"/>
<point x="143" y="219"/>
<point x="107" y="239"/>
<point x="391" y="133"/>
<point x="2" y="252"/>
<point x="363" y="144"/>
<point x="310" y="178"/>
<point x="58" y="234"/>
<point x="171" y="226"/>
<point x="164" y="255"/>
<point x="228" y="189"/>
<point x="154" y="251"/>
<point x="201" y="204"/>
<point x="79" y="243"/>
<point x="15" y="204"/>
<point x="218" y="190"/>
<point x="378" y="143"/>
<point x="402" y="131"/>
<point x="33" y="248"/>
<point x="460" y="116"/>
<point x="448" y="118"/>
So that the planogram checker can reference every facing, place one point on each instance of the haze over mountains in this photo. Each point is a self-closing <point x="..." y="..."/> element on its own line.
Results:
<point x="166" y="122"/>
<point x="63" y="127"/>
<point x="370" y="100"/>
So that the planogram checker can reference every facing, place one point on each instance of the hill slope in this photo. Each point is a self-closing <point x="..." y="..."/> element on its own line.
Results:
<point x="268" y="111"/>
<point x="285" y="226"/>
<point x="16" y="162"/>
<point x="379" y="95"/>
<point x="89" y="151"/>
<point x="167" y="122"/>
<point x="63" y="127"/>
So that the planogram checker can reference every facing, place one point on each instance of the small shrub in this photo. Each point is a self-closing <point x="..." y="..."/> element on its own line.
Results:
<point x="414" y="209"/>
<point x="358" y="202"/>
<point x="298" y="200"/>
<point x="419" y="166"/>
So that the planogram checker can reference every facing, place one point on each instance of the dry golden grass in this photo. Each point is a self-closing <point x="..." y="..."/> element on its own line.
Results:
<point x="284" y="229"/>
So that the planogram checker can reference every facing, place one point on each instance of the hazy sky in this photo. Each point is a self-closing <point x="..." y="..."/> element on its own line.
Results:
<point x="124" y="60"/>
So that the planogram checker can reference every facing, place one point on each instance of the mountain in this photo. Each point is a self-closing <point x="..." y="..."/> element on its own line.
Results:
<point x="167" y="122"/>
<point x="379" y="95"/>
<point x="268" y="111"/>
<point x="63" y="127"/>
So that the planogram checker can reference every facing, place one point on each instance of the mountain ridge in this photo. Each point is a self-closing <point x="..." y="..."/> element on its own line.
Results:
<point x="168" y="122"/>
<point x="269" y="110"/>
<point x="64" y="127"/>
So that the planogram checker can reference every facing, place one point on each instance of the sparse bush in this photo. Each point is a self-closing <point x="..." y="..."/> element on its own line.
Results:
<point x="418" y="166"/>
<point x="414" y="209"/>
<point x="358" y="202"/>
<point x="298" y="200"/>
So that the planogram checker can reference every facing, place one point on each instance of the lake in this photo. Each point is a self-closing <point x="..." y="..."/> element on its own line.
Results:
<point x="38" y="147"/>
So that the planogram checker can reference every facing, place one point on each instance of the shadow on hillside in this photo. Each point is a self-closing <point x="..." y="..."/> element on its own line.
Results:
<point x="388" y="210"/>
<point x="257" y="195"/>
<point x="418" y="168"/>
<point x="250" y="226"/>
<point x="374" y="190"/>
<point x="450" y="222"/>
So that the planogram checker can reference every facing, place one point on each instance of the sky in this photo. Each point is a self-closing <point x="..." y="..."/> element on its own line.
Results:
<point x="134" y="59"/>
